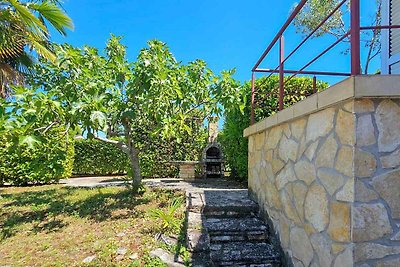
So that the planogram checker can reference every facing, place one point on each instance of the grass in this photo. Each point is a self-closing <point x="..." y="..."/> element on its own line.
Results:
<point x="59" y="226"/>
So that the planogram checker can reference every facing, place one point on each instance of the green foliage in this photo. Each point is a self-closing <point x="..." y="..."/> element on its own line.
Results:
<point x="24" y="27"/>
<point x="316" y="11"/>
<point x="94" y="157"/>
<point x="235" y="146"/>
<point x="153" y="262"/>
<point x="167" y="217"/>
<point x="47" y="161"/>
<point x="156" y="96"/>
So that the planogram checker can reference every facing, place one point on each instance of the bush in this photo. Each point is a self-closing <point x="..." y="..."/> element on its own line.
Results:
<point x="235" y="146"/>
<point x="94" y="157"/>
<point x="47" y="161"/>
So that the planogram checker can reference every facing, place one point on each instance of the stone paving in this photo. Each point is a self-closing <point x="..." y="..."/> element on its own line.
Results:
<point x="223" y="226"/>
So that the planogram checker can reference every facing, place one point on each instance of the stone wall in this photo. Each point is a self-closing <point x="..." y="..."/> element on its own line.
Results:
<point x="376" y="211"/>
<point x="329" y="182"/>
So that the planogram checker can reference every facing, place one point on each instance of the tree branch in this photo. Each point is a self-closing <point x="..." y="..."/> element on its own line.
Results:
<point x="119" y="144"/>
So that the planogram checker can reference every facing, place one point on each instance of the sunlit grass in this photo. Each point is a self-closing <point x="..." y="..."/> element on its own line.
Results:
<point x="58" y="226"/>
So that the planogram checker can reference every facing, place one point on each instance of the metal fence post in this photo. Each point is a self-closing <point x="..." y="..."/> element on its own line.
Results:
<point x="314" y="83"/>
<point x="355" y="37"/>
<point x="281" y="70"/>
<point x="252" y="97"/>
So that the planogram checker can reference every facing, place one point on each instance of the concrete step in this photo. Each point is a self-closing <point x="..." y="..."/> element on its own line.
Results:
<point x="223" y="204"/>
<point x="244" y="254"/>
<point x="236" y="229"/>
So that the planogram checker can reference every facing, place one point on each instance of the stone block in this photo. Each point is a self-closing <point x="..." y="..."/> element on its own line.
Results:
<point x="322" y="247"/>
<point x="345" y="127"/>
<point x="365" y="131"/>
<point x="316" y="207"/>
<point x="288" y="149"/>
<point x="392" y="160"/>
<point x="344" y="162"/>
<point x="298" y="128"/>
<point x="387" y="118"/>
<point x="331" y="180"/>
<point x="364" y="164"/>
<point x="344" y="259"/>
<point x="327" y="153"/>
<point x="301" y="246"/>
<point x="285" y="176"/>
<point x="310" y="150"/>
<point x="363" y="193"/>
<point x="305" y="171"/>
<point x="388" y="188"/>
<point x="347" y="192"/>
<point x="320" y="124"/>
<point x="370" y="222"/>
<point x="369" y="251"/>
<point x="339" y="224"/>
<point x="363" y="106"/>
<point x="274" y="137"/>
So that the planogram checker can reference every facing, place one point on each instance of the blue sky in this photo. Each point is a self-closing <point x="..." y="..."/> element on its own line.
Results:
<point x="226" y="34"/>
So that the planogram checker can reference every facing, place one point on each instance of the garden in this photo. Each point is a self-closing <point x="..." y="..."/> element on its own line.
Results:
<point x="68" y="111"/>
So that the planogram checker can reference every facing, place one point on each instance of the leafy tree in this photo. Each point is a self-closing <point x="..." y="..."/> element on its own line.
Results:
<point x="23" y="28"/>
<point x="315" y="11"/>
<point x="113" y="100"/>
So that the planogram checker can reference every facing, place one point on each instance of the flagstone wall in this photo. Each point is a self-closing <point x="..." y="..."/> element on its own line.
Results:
<point x="329" y="180"/>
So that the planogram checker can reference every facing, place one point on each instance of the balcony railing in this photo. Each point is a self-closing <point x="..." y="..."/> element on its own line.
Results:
<point x="354" y="38"/>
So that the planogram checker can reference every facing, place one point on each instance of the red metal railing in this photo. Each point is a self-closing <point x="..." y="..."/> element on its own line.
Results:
<point x="354" y="33"/>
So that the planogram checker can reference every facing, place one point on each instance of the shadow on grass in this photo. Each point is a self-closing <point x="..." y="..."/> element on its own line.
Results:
<point x="47" y="209"/>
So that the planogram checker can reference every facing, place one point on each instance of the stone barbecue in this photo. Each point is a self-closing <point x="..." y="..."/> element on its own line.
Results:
<point x="213" y="163"/>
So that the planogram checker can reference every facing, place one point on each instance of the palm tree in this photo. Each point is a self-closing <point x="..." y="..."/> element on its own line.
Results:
<point x="24" y="33"/>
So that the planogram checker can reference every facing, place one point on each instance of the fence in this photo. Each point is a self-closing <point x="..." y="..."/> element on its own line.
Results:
<point x="354" y="37"/>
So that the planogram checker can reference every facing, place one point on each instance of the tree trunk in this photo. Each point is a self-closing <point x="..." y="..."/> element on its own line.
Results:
<point x="135" y="167"/>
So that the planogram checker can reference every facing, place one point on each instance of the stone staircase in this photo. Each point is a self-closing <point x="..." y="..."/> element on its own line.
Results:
<point x="224" y="230"/>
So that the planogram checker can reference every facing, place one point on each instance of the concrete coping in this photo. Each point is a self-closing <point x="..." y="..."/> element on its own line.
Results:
<point x="355" y="87"/>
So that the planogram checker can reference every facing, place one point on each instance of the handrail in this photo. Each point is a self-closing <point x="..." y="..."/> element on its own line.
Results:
<point x="281" y="31"/>
<point x="353" y="34"/>
<point x="312" y="33"/>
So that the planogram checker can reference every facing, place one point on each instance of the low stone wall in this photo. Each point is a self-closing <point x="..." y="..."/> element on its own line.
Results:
<point x="328" y="179"/>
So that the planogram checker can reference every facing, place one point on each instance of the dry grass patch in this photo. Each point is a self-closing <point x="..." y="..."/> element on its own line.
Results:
<point x="58" y="226"/>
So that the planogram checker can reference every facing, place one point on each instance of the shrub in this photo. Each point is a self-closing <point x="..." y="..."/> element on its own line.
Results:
<point x="234" y="144"/>
<point x="47" y="161"/>
<point x="94" y="157"/>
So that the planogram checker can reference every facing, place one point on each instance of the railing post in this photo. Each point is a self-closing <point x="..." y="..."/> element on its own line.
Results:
<point x="281" y="70"/>
<point x="252" y="97"/>
<point x="355" y="37"/>
<point x="314" y="83"/>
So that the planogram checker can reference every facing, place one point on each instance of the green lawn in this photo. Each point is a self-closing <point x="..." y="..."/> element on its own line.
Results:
<point x="58" y="226"/>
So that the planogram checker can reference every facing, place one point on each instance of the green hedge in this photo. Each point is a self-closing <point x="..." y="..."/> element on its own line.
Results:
<point x="94" y="157"/>
<point x="48" y="161"/>
<point x="235" y="146"/>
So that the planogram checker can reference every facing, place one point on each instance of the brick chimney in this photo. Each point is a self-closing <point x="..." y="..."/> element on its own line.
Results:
<point x="212" y="129"/>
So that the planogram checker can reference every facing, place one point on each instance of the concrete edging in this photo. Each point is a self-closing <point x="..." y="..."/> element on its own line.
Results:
<point x="350" y="88"/>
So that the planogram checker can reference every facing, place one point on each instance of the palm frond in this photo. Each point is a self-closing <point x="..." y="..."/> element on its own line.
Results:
<point x="42" y="48"/>
<point x="54" y="15"/>
<point x="8" y="76"/>
<point x="28" y="18"/>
